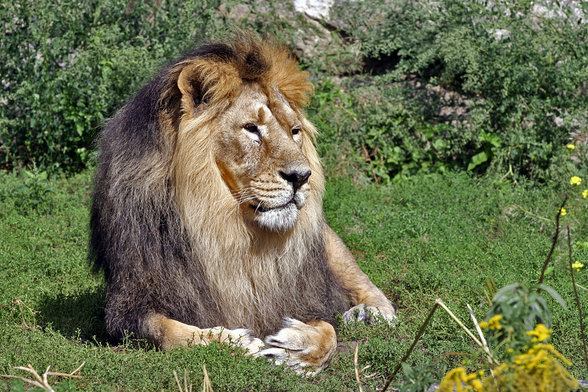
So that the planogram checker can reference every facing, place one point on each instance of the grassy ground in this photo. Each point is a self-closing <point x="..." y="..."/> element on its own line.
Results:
<point x="427" y="238"/>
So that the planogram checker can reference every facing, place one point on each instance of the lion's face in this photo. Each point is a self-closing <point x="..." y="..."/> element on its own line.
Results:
<point x="260" y="156"/>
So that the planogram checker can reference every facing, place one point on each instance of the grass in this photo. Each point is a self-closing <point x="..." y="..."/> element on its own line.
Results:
<point x="426" y="238"/>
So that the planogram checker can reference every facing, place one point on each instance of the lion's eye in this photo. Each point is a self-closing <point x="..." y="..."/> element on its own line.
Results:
<point x="250" y="127"/>
<point x="253" y="132"/>
<point x="296" y="130"/>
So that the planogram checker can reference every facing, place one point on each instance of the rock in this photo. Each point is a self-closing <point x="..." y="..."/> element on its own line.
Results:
<point x="239" y="12"/>
<point x="499" y="33"/>
<point x="315" y="9"/>
<point x="311" y="42"/>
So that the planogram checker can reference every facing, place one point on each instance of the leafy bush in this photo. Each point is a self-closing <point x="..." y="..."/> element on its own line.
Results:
<point x="514" y="328"/>
<point x="390" y="133"/>
<point x="513" y="79"/>
<point x="66" y="66"/>
<point x="522" y="70"/>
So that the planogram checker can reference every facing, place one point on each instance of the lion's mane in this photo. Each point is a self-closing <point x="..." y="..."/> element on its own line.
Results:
<point x="164" y="226"/>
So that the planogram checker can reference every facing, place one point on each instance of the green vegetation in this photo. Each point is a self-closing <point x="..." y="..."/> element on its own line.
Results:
<point x="497" y="86"/>
<point x="65" y="68"/>
<point x="428" y="237"/>
<point x="424" y="86"/>
<point x="451" y="132"/>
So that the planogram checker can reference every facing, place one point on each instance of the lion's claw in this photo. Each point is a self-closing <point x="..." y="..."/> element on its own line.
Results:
<point x="301" y="346"/>
<point x="369" y="315"/>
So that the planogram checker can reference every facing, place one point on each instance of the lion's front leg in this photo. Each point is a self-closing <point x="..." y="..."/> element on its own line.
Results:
<point x="307" y="348"/>
<point x="370" y="304"/>
<point x="168" y="333"/>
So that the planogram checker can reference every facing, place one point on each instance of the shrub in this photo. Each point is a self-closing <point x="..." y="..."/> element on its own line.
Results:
<point x="66" y="66"/>
<point x="522" y="69"/>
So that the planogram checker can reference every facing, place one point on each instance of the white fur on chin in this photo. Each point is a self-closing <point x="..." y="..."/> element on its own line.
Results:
<point x="278" y="219"/>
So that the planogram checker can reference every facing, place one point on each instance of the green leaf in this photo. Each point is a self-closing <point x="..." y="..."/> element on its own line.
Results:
<point x="505" y="292"/>
<point x="439" y="144"/>
<point x="554" y="294"/>
<point x="491" y="138"/>
<point x="477" y="160"/>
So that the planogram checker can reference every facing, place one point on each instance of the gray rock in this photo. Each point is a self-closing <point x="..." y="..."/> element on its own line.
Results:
<point x="315" y="9"/>
<point x="239" y="12"/>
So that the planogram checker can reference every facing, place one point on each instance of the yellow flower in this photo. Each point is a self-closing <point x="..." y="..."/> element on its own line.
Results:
<point x="483" y="324"/>
<point x="585" y="193"/>
<point x="455" y="378"/>
<point x="477" y="385"/>
<point x="540" y="351"/>
<point x="563" y="211"/>
<point x="539" y="369"/>
<point x="494" y="322"/>
<point x="540" y="333"/>
<point x="577" y="265"/>
<point x="571" y="146"/>
<point x="575" y="180"/>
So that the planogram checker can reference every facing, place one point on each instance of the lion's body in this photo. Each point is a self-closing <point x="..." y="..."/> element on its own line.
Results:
<point x="205" y="212"/>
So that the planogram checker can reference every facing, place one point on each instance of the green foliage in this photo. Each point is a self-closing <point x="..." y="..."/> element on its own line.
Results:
<point x="516" y="330"/>
<point x="522" y="73"/>
<point x="30" y="192"/>
<point x="416" y="378"/>
<point x="66" y="67"/>
<point x="414" y="239"/>
<point x="397" y="139"/>
<point x="520" y="309"/>
<point x="389" y="133"/>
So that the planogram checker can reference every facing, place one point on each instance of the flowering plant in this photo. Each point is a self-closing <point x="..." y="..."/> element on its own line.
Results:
<point x="538" y="369"/>
<point x="517" y="327"/>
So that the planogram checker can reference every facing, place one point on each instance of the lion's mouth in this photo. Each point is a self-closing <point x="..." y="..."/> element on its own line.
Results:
<point x="259" y="208"/>
<point x="279" y="218"/>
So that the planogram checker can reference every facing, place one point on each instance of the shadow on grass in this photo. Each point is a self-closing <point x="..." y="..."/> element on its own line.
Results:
<point x="77" y="316"/>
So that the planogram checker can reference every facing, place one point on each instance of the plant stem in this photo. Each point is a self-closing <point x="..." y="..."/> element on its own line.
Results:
<point x="468" y="332"/>
<point x="416" y="339"/>
<point x="356" y="366"/>
<point x="479" y="330"/>
<point x="555" y="237"/>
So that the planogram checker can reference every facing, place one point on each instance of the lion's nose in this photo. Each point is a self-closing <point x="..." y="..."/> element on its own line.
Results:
<point x="296" y="177"/>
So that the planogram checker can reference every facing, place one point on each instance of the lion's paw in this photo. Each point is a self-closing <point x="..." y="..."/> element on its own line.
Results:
<point x="240" y="337"/>
<point x="365" y="314"/>
<point x="304" y="348"/>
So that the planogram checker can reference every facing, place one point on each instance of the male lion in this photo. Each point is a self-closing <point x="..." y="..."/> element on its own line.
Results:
<point x="207" y="212"/>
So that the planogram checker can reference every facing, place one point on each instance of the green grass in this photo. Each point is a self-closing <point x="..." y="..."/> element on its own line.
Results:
<point x="426" y="238"/>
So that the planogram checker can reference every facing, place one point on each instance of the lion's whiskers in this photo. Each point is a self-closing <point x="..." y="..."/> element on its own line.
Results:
<point x="243" y="195"/>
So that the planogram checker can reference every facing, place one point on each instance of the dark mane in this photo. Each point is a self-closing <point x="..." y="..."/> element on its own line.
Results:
<point x="138" y="234"/>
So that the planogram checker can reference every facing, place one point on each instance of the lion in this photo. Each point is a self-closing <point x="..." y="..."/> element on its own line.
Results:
<point x="207" y="213"/>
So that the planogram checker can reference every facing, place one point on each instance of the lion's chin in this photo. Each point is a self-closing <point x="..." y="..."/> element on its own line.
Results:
<point x="278" y="219"/>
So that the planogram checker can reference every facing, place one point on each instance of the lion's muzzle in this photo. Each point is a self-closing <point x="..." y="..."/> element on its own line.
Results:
<point x="296" y="177"/>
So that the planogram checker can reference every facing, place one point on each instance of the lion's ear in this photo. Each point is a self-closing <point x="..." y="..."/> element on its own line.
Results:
<point x="191" y="87"/>
<point x="204" y="82"/>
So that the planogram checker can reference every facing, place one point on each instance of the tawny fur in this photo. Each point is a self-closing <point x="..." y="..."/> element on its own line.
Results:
<point x="183" y="248"/>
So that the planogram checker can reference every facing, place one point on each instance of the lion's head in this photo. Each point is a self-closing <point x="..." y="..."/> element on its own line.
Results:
<point x="259" y="155"/>
<point x="242" y="105"/>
